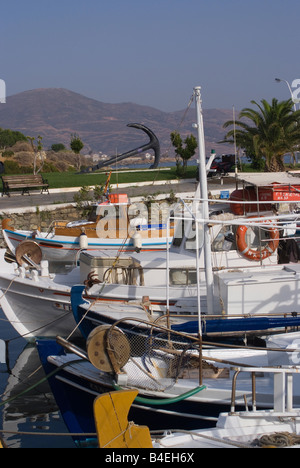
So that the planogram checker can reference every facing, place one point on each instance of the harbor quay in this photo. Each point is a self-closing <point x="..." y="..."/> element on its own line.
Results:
<point x="37" y="210"/>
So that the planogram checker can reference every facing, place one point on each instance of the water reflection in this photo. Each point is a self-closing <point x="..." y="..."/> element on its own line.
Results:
<point x="34" y="411"/>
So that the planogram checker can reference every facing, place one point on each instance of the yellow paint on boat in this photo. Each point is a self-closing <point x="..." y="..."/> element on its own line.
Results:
<point x="111" y="418"/>
<point x="2" y="443"/>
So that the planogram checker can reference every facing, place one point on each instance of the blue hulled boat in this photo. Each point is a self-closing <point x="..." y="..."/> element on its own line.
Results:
<point x="165" y="401"/>
<point x="75" y="384"/>
<point x="89" y="315"/>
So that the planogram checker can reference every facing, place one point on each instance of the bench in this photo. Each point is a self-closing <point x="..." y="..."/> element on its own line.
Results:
<point x="24" y="182"/>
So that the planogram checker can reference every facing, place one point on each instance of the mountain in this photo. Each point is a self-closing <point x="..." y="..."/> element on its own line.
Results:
<point x="55" y="114"/>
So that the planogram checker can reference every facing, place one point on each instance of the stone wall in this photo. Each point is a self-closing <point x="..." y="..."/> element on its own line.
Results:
<point x="38" y="219"/>
<point x="41" y="219"/>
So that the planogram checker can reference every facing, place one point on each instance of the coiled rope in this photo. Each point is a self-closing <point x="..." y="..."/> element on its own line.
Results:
<point x="278" y="440"/>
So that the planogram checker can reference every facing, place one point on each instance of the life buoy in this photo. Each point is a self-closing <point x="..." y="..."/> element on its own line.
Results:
<point x="253" y="254"/>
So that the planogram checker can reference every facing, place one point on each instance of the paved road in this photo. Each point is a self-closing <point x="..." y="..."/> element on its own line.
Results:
<point x="18" y="201"/>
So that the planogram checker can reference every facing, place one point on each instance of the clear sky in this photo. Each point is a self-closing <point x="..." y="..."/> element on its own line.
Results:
<point x="152" y="52"/>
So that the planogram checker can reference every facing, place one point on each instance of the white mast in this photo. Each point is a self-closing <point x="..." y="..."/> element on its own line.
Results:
<point x="204" y="196"/>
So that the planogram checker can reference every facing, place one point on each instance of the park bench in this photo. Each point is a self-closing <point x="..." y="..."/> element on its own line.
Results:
<point x="24" y="182"/>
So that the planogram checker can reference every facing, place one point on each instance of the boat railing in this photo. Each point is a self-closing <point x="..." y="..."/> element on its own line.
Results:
<point x="182" y="350"/>
<point x="158" y="355"/>
<point x="54" y="225"/>
<point x="282" y="391"/>
<point x="252" y="219"/>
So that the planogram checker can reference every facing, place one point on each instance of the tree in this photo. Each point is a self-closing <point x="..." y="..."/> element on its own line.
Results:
<point x="39" y="154"/>
<point x="268" y="133"/>
<point x="76" y="146"/>
<point x="185" y="153"/>
<point x="10" y="137"/>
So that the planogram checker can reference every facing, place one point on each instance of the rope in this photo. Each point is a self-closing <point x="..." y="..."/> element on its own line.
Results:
<point x="82" y="318"/>
<point x="61" y="317"/>
<point x="128" y="428"/>
<point x="180" y="123"/>
<point x="109" y="270"/>
<point x="278" y="439"/>
<point x="7" y="288"/>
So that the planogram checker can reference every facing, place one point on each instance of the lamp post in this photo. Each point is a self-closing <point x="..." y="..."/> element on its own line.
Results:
<point x="2" y="92"/>
<point x="278" y="80"/>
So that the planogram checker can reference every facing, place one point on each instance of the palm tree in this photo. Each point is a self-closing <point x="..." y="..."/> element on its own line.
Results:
<point x="268" y="133"/>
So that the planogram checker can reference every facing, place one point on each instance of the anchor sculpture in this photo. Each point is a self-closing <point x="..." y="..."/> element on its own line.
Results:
<point x="152" y="144"/>
<point x="65" y="239"/>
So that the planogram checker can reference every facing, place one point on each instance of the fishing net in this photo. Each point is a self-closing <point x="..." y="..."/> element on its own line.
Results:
<point x="148" y="356"/>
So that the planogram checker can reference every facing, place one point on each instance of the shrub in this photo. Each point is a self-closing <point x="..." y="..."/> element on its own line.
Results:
<point x="12" y="167"/>
<point x="8" y="153"/>
<point x="58" y="147"/>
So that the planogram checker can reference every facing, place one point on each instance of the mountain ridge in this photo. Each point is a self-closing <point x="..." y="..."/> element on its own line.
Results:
<point x="57" y="113"/>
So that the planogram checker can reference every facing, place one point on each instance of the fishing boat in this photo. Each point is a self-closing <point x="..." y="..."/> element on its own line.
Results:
<point x="113" y="428"/>
<point x="252" y="428"/>
<point x="108" y="227"/>
<point x="193" y="270"/>
<point x="275" y="428"/>
<point x="182" y="381"/>
<point x="171" y="394"/>
<point x="250" y="320"/>
<point x="228" y="294"/>
<point x="37" y="301"/>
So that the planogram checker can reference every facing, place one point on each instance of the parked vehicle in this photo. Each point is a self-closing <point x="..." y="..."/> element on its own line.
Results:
<point x="221" y="165"/>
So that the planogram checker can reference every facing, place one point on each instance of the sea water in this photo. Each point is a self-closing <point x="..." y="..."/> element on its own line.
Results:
<point x="29" y="420"/>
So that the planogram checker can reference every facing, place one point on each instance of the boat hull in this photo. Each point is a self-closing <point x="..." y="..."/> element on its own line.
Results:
<point x="66" y="248"/>
<point x="75" y="394"/>
<point x="39" y="306"/>
<point x="75" y="386"/>
<point x="37" y="311"/>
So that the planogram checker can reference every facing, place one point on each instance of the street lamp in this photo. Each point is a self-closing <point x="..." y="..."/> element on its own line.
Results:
<point x="278" y="80"/>
<point x="2" y="92"/>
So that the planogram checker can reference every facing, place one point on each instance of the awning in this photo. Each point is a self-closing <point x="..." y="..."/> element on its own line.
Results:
<point x="264" y="179"/>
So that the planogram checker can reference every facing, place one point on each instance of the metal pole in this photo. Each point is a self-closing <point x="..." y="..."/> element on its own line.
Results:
<point x="235" y="152"/>
<point x="204" y="195"/>
<point x="199" y="307"/>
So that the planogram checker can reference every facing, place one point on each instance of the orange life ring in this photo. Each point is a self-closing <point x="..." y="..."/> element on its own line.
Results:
<point x="253" y="254"/>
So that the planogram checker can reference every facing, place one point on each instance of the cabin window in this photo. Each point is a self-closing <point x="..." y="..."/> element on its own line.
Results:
<point x="186" y="231"/>
<point x="224" y="240"/>
<point x="182" y="276"/>
<point x="178" y="235"/>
